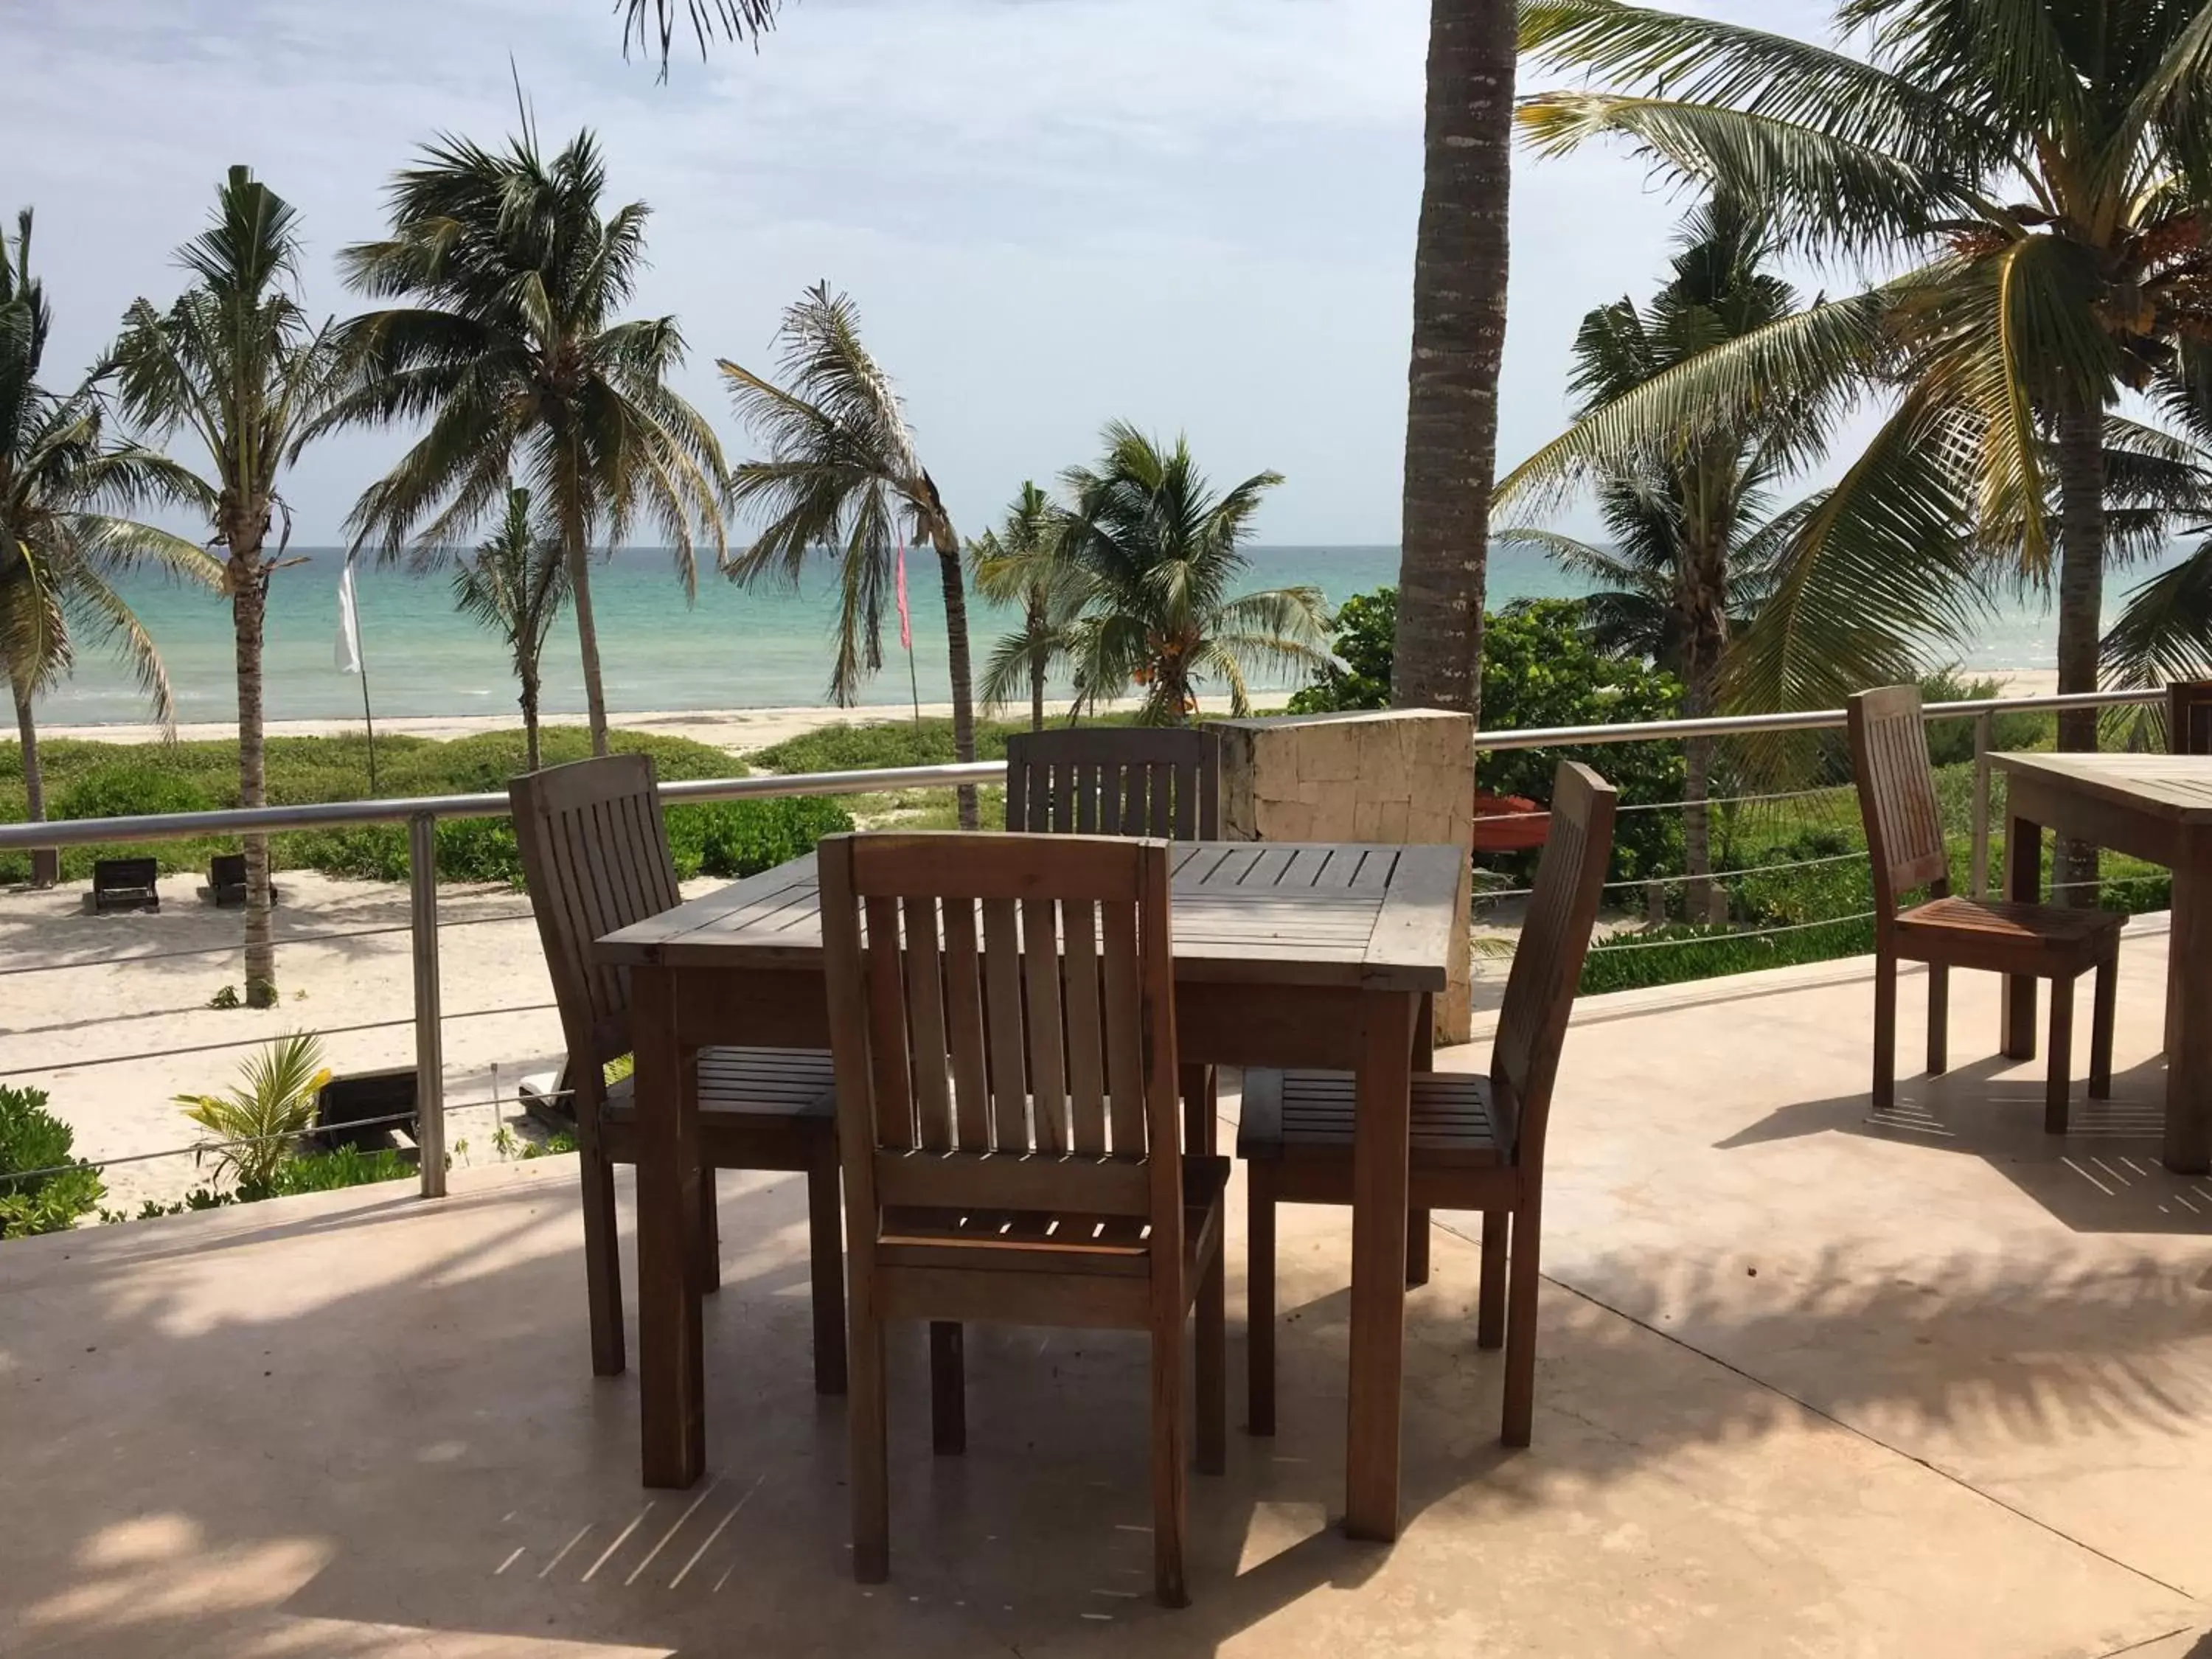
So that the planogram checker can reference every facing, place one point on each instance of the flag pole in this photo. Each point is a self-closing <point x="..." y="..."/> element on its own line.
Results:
<point x="906" y="633"/>
<point x="366" y="718"/>
<point x="351" y="659"/>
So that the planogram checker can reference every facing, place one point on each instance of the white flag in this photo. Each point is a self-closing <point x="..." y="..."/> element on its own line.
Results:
<point x="349" y="645"/>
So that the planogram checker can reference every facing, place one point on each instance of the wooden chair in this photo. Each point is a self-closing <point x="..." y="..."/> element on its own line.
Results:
<point x="1007" y="1115"/>
<point x="1129" y="780"/>
<point x="2189" y="717"/>
<point x="1904" y="839"/>
<point x="595" y="854"/>
<point x="1115" y="780"/>
<point x="125" y="885"/>
<point x="1478" y="1141"/>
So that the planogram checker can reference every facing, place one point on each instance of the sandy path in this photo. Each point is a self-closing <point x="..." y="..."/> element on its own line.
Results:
<point x="79" y="993"/>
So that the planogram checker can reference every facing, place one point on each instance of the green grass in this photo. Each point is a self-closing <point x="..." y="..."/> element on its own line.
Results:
<point x="104" y="779"/>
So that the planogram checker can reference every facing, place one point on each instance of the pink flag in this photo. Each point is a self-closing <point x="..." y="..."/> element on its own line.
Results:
<point x="906" y="620"/>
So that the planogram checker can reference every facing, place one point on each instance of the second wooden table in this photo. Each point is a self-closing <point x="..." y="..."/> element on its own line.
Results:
<point x="1286" y="956"/>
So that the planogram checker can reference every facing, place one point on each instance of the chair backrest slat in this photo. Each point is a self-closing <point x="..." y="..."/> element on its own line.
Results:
<point x="1086" y="1049"/>
<point x="2189" y="717"/>
<point x="595" y="857"/>
<point x="1897" y="796"/>
<point x="900" y="928"/>
<point x="963" y="1001"/>
<point x="1132" y="781"/>
<point x="1547" y="964"/>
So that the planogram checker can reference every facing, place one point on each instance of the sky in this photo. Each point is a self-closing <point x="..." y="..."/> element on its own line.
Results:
<point x="1195" y="215"/>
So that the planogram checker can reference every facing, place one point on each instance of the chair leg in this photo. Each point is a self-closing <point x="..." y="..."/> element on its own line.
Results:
<point x="710" y="1233"/>
<point x="2100" y="1029"/>
<point x="1260" y="1296"/>
<point x="1939" y="1019"/>
<point x="2060" y="1084"/>
<point x="1213" y="1370"/>
<point x="603" y="1290"/>
<point x="825" y="1244"/>
<point x="1417" y="1247"/>
<point x="1171" y="1456"/>
<point x="948" y="1388"/>
<point x="1201" y="1110"/>
<point x="1885" y="1031"/>
<point x="1490" y="1303"/>
<point x="1521" y="1285"/>
<point x="869" y="1432"/>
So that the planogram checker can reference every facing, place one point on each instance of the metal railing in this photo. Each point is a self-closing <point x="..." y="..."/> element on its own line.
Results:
<point x="421" y="815"/>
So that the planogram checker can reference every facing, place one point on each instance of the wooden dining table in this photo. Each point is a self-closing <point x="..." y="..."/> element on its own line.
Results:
<point x="2156" y="807"/>
<point x="1284" y="956"/>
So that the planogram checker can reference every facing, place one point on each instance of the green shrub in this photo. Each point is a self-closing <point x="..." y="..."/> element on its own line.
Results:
<point x="1701" y="952"/>
<point x="1538" y="669"/>
<point x="325" y="1172"/>
<point x="1843" y="886"/>
<point x="878" y="744"/>
<point x="1364" y="637"/>
<point x="33" y="1138"/>
<point x="131" y="791"/>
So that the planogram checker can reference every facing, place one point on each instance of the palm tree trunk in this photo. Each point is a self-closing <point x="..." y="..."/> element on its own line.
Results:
<point x="249" y="601"/>
<point x="956" y="651"/>
<point x="532" y="760"/>
<point x="2081" y="616"/>
<point x="45" y="861"/>
<point x="1459" y="335"/>
<point x="1036" y="666"/>
<point x="578" y="554"/>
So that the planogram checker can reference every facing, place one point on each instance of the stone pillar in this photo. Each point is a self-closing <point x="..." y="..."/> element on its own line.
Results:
<point x="1391" y="776"/>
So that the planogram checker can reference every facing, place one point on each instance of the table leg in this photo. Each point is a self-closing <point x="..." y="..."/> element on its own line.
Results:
<point x="671" y="1372"/>
<point x="2024" y="883"/>
<point x="1381" y="1128"/>
<point x="2189" y="1031"/>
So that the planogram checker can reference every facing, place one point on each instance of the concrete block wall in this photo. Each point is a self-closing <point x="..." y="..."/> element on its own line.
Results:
<point x="1391" y="776"/>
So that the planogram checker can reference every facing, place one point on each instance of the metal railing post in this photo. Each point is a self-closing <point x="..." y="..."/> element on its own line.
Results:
<point x="429" y="1042"/>
<point x="1984" y="736"/>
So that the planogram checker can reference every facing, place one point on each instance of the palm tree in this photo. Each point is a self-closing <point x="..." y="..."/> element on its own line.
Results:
<point x="1692" y="546"/>
<point x="1459" y="336"/>
<point x="1020" y="564"/>
<point x="237" y="362"/>
<point x="1459" y="325"/>
<point x="59" y="548"/>
<point x="842" y="475"/>
<point x="515" y="587"/>
<point x="513" y="356"/>
<point x="1158" y="551"/>
<point x="2039" y="165"/>
<point x="2162" y="486"/>
<point x="651" y="23"/>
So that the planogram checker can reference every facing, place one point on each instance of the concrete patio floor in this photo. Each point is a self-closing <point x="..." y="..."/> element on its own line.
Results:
<point x="1811" y="1384"/>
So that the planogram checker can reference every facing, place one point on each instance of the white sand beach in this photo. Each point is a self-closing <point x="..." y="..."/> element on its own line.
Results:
<point x="740" y="730"/>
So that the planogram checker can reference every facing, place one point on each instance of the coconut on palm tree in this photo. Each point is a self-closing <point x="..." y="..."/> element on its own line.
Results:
<point x="1158" y="551"/>
<point x="237" y="362"/>
<point x="60" y="542"/>
<point x="515" y="586"/>
<point x="841" y="477"/>
<point x="513" y="355"/>
<point x="2035" y="165"/>
<point x="1020" y="564"/>
<point x="1460" y="251"/>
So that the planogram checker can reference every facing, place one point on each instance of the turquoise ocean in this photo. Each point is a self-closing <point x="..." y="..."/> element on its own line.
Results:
<point x="733" y="648"/>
